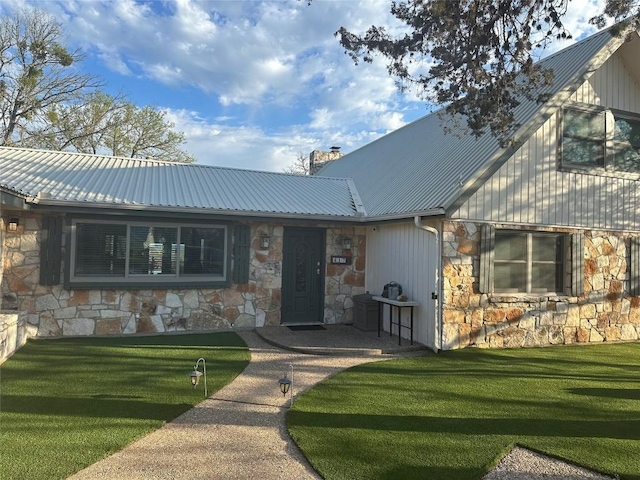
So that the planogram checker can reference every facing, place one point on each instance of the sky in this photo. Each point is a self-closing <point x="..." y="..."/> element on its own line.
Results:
<point x="252" y="84"/>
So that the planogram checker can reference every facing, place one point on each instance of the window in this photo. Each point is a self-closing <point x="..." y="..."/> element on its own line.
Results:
<point x="528" y="262"/>
<point x="626" y="143"/>
<point x="148" y="253"/>
<point x="595" y="138"/>
<point x="584" y="138"/>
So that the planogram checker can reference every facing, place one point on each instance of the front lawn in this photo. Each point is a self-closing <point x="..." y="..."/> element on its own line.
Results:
<point x="67" y="403"/>
<point x="453" y="415"/>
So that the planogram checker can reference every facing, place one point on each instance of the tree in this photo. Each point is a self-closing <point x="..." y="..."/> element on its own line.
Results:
<point x="35" y="73"/>
<point x="478" y="53"/>
<point x="100" y="123"/>
<point x="45" y="103"/>
<point x="300" y="166"/>
<point x="145" y="132"/>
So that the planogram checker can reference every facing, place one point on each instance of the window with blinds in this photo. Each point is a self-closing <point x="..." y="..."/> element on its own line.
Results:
<point x="110" y="252"/>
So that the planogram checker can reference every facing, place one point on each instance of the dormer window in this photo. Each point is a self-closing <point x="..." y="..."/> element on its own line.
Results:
<point x="598" y="140"/>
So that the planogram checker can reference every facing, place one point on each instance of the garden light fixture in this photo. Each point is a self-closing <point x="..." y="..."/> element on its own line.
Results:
<point x="13" y="224"/>
<point x="286" y="386"/>
<point x="196" y="374"/>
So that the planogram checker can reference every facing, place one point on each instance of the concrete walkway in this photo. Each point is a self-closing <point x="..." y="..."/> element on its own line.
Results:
<point x="238" y="433"/>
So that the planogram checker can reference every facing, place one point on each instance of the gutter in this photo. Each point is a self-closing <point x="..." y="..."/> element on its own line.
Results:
<point x="438" y="293"/>
<point x="45" y="200"/>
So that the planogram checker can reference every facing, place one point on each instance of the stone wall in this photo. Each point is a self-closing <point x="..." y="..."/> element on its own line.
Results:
<point x="14" y="332"/>
<point x="342" y="282"/>
<point x="54" y="311"/>
<point x="605" y="313"/>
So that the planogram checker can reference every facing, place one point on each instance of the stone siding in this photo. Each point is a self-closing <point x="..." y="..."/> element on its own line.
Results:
<point x="14" y="332"/>
<point x="55" y="311"/>
<point x="342" y="282"/>
<point x="605" y="313"/>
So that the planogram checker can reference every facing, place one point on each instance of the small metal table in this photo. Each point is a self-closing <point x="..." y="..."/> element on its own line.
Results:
<point x="399" y="306"/>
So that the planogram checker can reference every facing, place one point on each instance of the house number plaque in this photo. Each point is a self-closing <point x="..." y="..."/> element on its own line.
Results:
<point x="340" y="260"/>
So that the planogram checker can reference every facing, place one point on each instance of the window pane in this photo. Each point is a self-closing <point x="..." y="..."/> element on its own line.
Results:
<point x="202" y="251"/>
<point x="100" y="249"/>
<point x="152" y="250"/>
<point x="584" y="124"/>
<point x="588" y="153"/>
<point x="626" y="158"/>
<point x="546" y="248"/>
<point x="510" y="276"/>
<point x="627" y="131"/>
<point x="510" y="246"/>
<point x="545" y="276"/>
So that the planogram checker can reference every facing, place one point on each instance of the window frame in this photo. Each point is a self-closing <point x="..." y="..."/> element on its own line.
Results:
<point x="609" y="143"/>
<point x="137" y="281"/>
<point x="529" y="263"/>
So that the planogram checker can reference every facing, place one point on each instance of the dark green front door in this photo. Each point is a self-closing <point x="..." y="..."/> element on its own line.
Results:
<point x="303" y="275"/>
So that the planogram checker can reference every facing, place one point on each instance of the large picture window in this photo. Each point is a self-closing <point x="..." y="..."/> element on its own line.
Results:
<point x="597" y="139"/>
<point x="148" y="253"/>
<point x="528" y="262"/>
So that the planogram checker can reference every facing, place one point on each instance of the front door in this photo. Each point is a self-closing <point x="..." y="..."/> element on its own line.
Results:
<point x="302" y="275"/>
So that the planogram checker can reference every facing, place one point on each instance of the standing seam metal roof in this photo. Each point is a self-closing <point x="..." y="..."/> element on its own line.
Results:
<point x="111" y="181"/>
<point x="420" y="168"/>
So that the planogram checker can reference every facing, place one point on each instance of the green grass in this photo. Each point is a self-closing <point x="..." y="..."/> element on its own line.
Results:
<point x="452" y="416"/>
<point x="67" y="403"/>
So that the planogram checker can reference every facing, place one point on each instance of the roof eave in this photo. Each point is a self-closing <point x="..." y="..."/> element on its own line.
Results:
<point x="194" y="210"/>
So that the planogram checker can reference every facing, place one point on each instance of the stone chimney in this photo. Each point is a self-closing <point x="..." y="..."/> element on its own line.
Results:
<point x="318" y="159"/>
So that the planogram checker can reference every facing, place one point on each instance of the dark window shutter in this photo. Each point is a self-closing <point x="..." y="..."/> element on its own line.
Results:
<point x="241" y="256"/>
<point x="577" y="264"/>
<point x="51" y="250"/>
<point x="634" y="284"/>
<point x="487" y="245"/>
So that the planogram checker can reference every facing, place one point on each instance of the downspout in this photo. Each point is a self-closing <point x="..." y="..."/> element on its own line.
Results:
<point x="437" y="295"/>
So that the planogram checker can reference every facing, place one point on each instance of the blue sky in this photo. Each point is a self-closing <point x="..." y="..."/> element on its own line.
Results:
<point x="252" y="84"/>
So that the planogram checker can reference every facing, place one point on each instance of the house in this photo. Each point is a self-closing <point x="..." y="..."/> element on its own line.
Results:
<point x="537" y="243"/>
<point x="96" y="245"/>
<point x="534" y="244"/>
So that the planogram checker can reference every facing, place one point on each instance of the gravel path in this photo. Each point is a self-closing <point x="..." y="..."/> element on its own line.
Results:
<point x="239" y="433"/>
<point x="522" y="464"/>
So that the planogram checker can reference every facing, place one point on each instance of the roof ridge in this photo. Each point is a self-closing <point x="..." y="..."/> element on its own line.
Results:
<point x="163" y="162"/>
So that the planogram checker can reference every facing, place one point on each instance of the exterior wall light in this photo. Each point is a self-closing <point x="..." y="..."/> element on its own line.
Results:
<point x="264" y="241"/>
<point x="345" y="242"/>
<point x="286" y="386"/>
<point x="13" y="224"/>
<point x="196" y="374"/>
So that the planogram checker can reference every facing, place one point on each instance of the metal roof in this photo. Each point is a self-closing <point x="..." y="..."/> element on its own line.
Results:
<point x="415" y="170"/>
<point x="55" y="178"/>
<point x="420" y="169"/>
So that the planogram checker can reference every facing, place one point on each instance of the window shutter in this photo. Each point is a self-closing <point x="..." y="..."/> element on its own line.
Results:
<point x="51" y="250"/>
<point x="242" y="250"/>
<point x="487" y="245"/>
<point x="577" y="264"/>
<point x="634" y="284"/>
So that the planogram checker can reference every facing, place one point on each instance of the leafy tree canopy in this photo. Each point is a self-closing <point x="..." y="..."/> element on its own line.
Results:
<point x="46" y="103"/>
<point x="471" y="55"/>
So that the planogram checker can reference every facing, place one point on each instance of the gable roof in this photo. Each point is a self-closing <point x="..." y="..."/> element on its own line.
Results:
<point x="420" y="170"/>
<point x="75" y="179"/>
<point x="415" y="170"/>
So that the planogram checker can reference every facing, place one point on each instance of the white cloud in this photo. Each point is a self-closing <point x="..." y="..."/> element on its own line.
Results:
<point x="255" y="61"/>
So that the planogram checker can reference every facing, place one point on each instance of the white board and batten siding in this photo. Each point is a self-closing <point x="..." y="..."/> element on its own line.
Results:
<point x="408" y="255"/>
<point x="530" y="189"/>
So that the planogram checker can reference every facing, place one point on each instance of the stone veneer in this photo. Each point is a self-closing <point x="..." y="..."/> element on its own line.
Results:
<point x="55" y="311"/>
<point x="605" y="313"/>
<point x="14" y="332"/>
